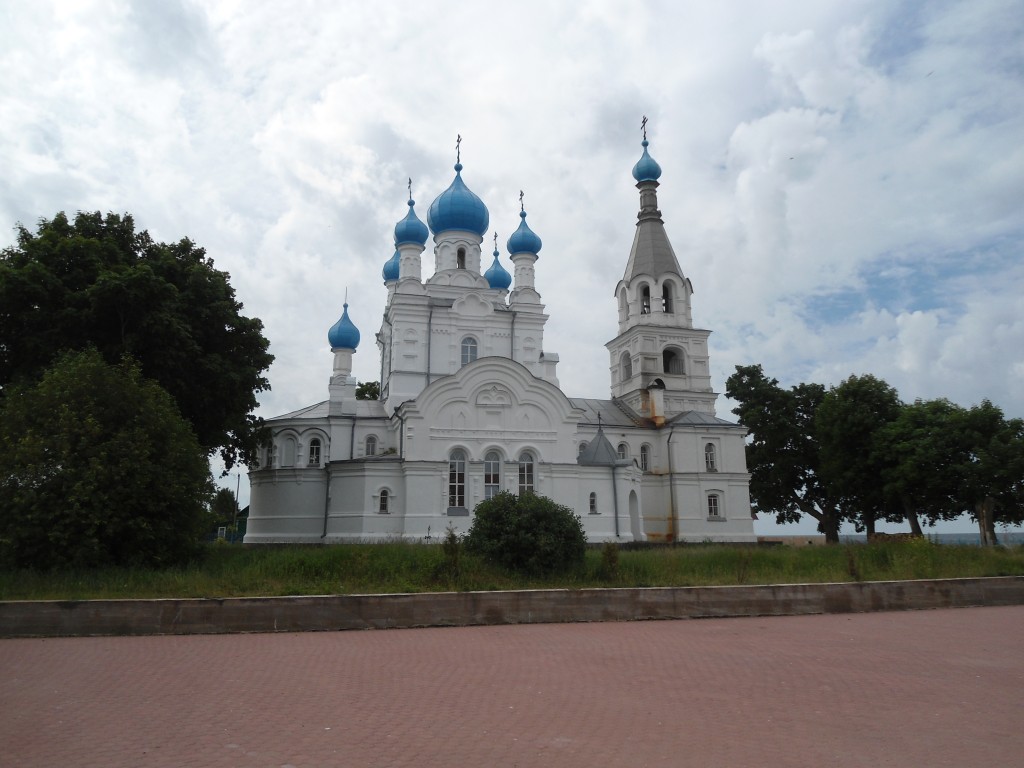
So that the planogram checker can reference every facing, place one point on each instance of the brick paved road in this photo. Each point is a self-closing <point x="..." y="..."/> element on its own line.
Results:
<point x="927" y="688"/>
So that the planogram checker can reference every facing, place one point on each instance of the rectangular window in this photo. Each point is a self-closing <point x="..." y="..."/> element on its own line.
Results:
<point x="713" y="510"/>
<point x="525" y="474"/>
<point x="457" y="480"/>
<point x="492" y="476"/>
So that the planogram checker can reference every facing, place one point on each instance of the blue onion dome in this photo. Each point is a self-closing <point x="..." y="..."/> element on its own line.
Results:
<point x="497" y="276"/>
<point x="524" y="240"/>
<point x="392" y="267"/>
<point x="646" y="169"/>
<point x="343" y="334"/>
<point x="458" y="208"/>
<point x="411" y="230"/>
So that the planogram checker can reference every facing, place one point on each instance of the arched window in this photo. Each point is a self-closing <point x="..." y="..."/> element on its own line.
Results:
<point x="526" y="481"/>
<point x="622" y="451"/>
<point x="713" y="508"/>
<point x="666" y="298"/>
<point x="492" y="474"/>
<point x="468" y="350"/>
<point x="271" y="455"/>
<point x="645" y="457"/>
<point x="672" y="361"/>
<point x="710" y="459"/>
<point x="593" y="503"/>
<point x="645" y="300"/>
<point x="371" y="445"/>
<point x="385" y="499"/>
<point x="581" y="448"/>
<point x="457" y="480"/>
<point x="460" y="258"/>
<point x="314" y="452"/>
<point x="627" y="366"/>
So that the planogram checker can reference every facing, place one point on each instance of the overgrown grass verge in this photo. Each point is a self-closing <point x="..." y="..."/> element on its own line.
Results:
<point x="232" y="571"/>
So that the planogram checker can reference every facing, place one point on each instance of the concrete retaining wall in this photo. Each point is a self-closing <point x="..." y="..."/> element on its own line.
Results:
<point x="335" y="612"/>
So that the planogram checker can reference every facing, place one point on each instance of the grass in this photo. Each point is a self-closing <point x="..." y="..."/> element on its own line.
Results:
<point x="234" y="571"/>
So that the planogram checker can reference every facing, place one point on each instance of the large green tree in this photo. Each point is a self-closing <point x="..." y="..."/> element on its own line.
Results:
<point x="921" y="453"/>
<point x="991" y="468"/>
<point x="97" y="282"/>
<point x="99" y="469"/>
<point x="846" y="423"/>
<point x="783" y="455"/>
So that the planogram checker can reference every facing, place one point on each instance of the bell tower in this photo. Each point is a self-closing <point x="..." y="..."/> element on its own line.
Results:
<point x="659" y="362"/>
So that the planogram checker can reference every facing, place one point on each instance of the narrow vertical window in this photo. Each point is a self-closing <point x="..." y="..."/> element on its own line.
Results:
<point x="371" y="445"/>
<point x="385" y="499"/>
<point x="314" y="452"/>
<point x="713" y="510"/>
<point x="645" y="457"/>
<point x="622" y="451"/>
<point x="457" y="480"/>
<point x="645" y="301"/>
<point x="469" y="350"/>
<point x="593" y="503"/>
<point x="526" y="481"/>
<point x="460" y="258"/>
<point x="582" y="448"/>
<point x="666" y="299"/>
<point x="710" y="459"/>
<point x="492" y="474"/>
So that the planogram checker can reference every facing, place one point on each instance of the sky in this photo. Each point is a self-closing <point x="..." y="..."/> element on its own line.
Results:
<point x="843" y="181"/>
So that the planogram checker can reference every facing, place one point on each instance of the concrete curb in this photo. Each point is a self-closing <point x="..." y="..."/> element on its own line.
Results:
<point x="65" y="618"/>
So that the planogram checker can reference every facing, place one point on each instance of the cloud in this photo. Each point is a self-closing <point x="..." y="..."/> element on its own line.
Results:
<point x="842" y="181"/>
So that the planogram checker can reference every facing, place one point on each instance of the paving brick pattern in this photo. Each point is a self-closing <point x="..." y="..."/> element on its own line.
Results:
<point x="922" y="688"/>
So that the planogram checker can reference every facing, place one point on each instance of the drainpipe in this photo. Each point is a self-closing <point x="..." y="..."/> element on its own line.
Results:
<point x="615" y="501"/>
<point x="430" y="339"/>
<point x="671" y="490"/>
<point x="327" y="498"/>
<point x="352" y="439"/>
<point x="401" y="435"/>
<point x="512" y="341"/>
<point x="391" y="356"/>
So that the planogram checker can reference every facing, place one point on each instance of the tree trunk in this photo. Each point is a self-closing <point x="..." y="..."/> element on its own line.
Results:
<point x="911" y="515"/>
<point x="869" y="526"/>
<point x="983" y="511"/>
<point x="829" y="525"/>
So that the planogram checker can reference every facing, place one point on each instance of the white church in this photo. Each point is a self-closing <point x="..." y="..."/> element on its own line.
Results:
<point x="470" y="403"/>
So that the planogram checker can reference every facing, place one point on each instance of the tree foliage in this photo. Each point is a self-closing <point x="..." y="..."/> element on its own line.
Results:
<point x="846" y="426"/>
<point x="783" y="455"/>
<point x="857" y="453"/>
<point x="223" y="508"/>
<point x="99" y="469"/>
<point x="527" y="533"/>
<point x="368" y="390"/>
<point x="96" y="282"/>
<point x="920" y="452"/>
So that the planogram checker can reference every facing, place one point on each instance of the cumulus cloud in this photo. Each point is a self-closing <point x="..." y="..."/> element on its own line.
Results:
<point x="842" y="182"/>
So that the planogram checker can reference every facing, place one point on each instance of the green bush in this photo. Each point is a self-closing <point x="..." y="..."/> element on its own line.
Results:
<point x="100" y="469"/>
<point x="528" y="533"/>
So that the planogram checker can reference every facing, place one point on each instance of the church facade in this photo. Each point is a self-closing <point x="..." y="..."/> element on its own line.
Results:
<point x="470" y="403"/>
